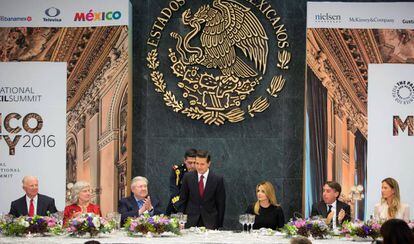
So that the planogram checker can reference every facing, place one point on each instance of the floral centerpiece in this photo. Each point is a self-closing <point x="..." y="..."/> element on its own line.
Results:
<point x="89" y="224"/>
<point x="24" y="225"/>
<point x="151" y="225"/>
<point x="360" y="229"/>
<point x="309" y="227"/>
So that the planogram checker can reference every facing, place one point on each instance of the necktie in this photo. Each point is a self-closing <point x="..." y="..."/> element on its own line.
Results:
<point x="31" y="208"/>
<point x="140" y="204"/>
<point x="329" y="209"/>
<point x="201" y="186"/>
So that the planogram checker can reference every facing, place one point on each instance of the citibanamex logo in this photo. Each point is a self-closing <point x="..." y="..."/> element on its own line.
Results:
<point x="403" y="92"/>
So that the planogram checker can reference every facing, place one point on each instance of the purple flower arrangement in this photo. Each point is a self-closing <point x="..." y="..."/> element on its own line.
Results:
<point x="368" y="229"/>
<point x="151" y="225"/>
<point x="25" y="225"/>
<point x="89" y="224"/>
<point x="307" y="227"/>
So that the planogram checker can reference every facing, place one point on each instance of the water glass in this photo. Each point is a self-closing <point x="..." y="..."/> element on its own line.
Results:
<point x="182" y="220"/>
<point x="243" y="220"/>
<point x="251" y="218"/>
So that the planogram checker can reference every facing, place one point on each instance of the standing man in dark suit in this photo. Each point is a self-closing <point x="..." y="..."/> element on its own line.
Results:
<point x="176" y="177"/>
<point x="32" y="203"/>
<point x="331" y="208"/>
<point x="140" y="202"/>
<point x="202" y="196"/>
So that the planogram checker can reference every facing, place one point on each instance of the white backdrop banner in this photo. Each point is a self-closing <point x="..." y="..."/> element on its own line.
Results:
<point x="390" y="130"/>
<point x="32" y="129"/>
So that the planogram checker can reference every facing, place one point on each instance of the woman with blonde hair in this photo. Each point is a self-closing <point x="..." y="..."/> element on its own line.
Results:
<point x="268" y="212"/>
<point x="390" y="206"/>
<point x="81" y="202"/>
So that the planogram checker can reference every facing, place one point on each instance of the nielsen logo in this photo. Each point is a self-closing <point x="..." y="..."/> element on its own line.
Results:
<point x="328" y="18"/>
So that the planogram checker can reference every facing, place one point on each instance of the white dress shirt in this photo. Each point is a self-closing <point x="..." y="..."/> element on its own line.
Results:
<point x="34" y="204"/>
<point x="333" y="209"/>
<point x="205" y="178"/>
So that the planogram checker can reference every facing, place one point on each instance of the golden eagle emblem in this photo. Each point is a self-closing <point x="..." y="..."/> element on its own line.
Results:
<point x="232" y="40"/>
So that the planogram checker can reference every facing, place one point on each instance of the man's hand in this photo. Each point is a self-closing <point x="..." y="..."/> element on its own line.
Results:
<point x="148" y="204"/>
<point x="341" y="215"/>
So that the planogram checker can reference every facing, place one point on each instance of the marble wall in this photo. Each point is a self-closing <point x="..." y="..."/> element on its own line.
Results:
<point x="266" y="147"/>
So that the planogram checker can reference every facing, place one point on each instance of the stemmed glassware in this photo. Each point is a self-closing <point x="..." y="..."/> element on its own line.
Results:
<point x="250" y="221"/>
<point x="182" y="219"/>
<point x="59" y="217"/>
<point x="116" y="217"/>
<point x="243" y="219"/>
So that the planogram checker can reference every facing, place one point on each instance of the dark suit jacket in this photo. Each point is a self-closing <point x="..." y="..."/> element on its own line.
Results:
<point x="321" y="209"/>
<point x="128" y="207"/>
<point x="45" y="205"/>
<point x="210" y="208"/>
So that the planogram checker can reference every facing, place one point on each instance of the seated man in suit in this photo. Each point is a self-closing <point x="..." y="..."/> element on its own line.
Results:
<point x="140" y="202"/>
<point x="32" y="203"/>
<point x="331" y="208"/>
<point x="202" y="195"/>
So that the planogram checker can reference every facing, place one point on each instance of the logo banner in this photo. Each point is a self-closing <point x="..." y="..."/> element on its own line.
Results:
<point x="45" y="13"/>
<point x="360" y="15"/>
<point x="32" y="129"/>
<point x="391" y="131"/>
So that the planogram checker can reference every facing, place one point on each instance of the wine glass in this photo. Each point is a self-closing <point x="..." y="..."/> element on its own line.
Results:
<point x="243" y="220"/>
<point x="251" y="218"/>
<point x="58" y="216"/>
<point x="182" y="220"/>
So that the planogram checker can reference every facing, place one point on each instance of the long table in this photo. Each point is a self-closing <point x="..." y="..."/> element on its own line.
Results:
<point x="225" y="237"/>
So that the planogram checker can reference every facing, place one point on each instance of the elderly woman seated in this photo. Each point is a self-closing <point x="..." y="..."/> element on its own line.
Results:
<point x="81" y="202"/>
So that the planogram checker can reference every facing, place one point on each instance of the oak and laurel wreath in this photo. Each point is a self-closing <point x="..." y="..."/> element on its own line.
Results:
<point x="233" y="116"/>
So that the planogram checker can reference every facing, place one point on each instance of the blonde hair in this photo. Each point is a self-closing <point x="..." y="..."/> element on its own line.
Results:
<point x="77" y="188"/>
<point x="395" y="203"/>
<point x="269" y="191"/>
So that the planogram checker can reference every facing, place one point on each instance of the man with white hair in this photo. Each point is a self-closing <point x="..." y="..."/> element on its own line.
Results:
<point x="32" y="203"/>
<point x="140" y="202"/>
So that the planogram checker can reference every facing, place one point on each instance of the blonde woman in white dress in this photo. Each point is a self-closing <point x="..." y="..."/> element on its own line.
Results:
<point x="390" y="206"/>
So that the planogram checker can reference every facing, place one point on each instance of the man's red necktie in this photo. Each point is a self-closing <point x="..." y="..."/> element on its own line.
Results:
<point x="201" y="186"/>
<point x="31" y="208"/>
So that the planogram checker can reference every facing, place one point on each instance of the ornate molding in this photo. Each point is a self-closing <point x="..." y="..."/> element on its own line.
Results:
<point x="80" y="123"/>
<point x="86" y="154"/>
<point x="331" y="145"/>
<point x="107" y="138"/>
<point x="345" y="157"/>
<point x="94" y="89"/>
<point x="321" y="64"/>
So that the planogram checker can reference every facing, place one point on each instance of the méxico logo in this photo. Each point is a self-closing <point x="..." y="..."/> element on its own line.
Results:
<point x="224" y="63"/>
<point x="403" y="92"/>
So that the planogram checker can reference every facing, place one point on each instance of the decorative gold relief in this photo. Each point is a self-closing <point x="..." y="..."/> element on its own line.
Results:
<point x="217" y="77"/>
<point x="258" y="106"/>
<point x="153" y="63"/>
<point x="158" y="80"/>
<point x="276" y="85"/>
<point x="170" y="101"/>
<point x="284" y="58"/>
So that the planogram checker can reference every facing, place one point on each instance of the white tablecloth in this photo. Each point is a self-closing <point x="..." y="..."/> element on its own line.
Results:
<point x="208" y="237"/>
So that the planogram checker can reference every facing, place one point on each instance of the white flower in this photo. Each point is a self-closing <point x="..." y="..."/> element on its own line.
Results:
<point x="25" y="224"/>
<point x="96" y="222"/>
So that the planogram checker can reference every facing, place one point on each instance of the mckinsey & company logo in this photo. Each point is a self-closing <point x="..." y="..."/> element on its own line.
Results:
<point x="52" y="14"/>
<point x="328" y="18"/>
<point x="403" y="92"/>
